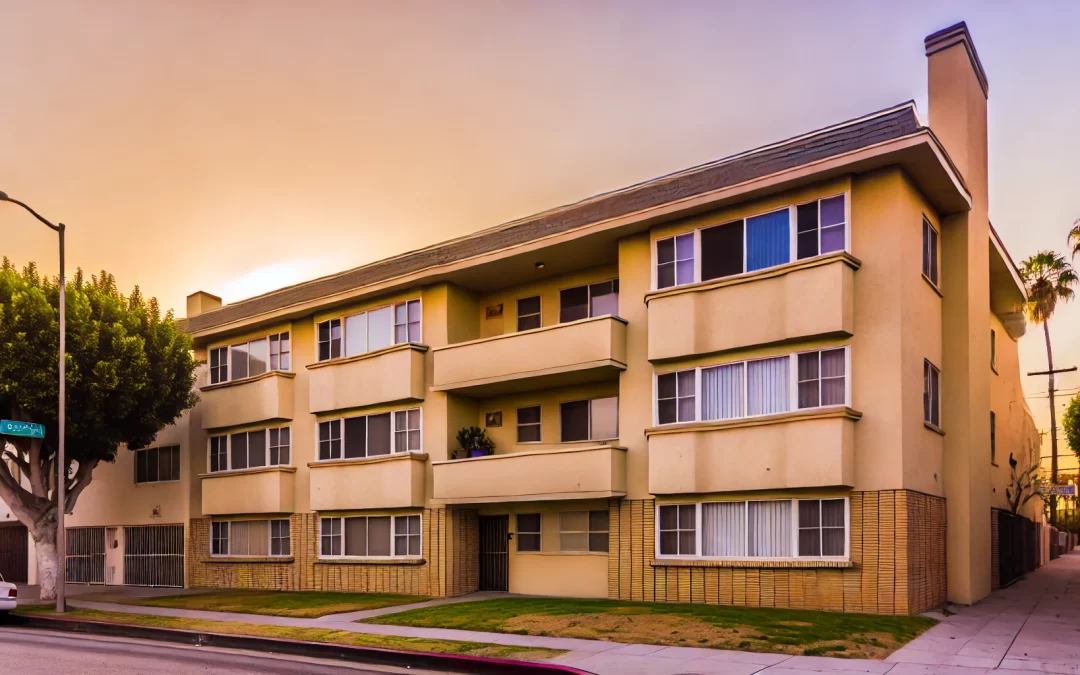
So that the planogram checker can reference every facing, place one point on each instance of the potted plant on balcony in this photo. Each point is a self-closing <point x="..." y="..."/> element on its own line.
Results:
<point x="474" y="442"/>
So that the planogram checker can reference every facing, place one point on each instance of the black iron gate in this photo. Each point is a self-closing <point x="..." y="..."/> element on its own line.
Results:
<point x="1017" y="546"/>
<point x="154" y="555"/>
<point x="13" y="553"/>
<point x="494" y="553"/>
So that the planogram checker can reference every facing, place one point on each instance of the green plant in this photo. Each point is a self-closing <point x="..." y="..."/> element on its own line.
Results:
<point x="474" y="442"/>
<point x="1022" y="486"/>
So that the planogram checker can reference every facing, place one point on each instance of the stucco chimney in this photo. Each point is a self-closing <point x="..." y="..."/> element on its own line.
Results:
<point x="201" y="302"/>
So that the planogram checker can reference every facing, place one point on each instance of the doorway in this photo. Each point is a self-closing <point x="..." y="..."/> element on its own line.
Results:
<point x="14" y="542"/>
<point x="494" y="553"/>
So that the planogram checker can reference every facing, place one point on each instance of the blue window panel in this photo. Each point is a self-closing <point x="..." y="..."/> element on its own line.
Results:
<point x="768" y="241"/>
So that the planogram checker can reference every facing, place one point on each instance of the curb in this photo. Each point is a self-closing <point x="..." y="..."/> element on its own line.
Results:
<point x="456" y="663"/>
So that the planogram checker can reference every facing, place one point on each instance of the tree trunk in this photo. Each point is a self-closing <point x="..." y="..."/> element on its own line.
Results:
<point x="48" y="569"/>
<point x="1053" y="424"/>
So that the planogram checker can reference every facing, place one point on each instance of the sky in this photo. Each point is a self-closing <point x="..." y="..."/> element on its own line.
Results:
<point x="186" y="143"/>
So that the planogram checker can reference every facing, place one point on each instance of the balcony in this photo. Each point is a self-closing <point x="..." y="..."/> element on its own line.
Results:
<point x="572" y="473"/>
<point x="806" y="299"/>
<point x="384" y="376"/>
<point x="790" y="450"/>
<point x="263" y="490"/>
<point x="576" y="352"/>
<point x="255" y="399"/>
<point x="384" y="482"/>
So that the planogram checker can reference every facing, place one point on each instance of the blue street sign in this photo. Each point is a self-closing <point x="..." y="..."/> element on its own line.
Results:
<point x="11" y="428"/>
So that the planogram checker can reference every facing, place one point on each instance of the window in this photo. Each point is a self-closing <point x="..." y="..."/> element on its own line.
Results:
<point x="821" y="227"/>
<point x="821" y="378"/>
<point x="370" y="537"/>
<point x="821" y="528"/>
<point x="588" y="301"/>
<point x="583" y="531"/>
<point x="753" y="243"/>
<point x="250" y="538"/>
<point x="219" y="365"/>
<point x="678" y="529"/>
<point x="593" y="420"/>
<point x="993" y="437"/>
<point x="774" y="529"/>
<point x="157" y="465"/>
<point x="407" y="322"/>
<point x="329" y="339"/>
<point x="675" y="396"/>
<point x="528" y="313"/>
<point x="930" y="251"/>
<point x="528" y="424"/>
<point x="280" y="353"/>
<point x="993" y="350"/>
<point x="380" y="331"/>
<point x="750" y="388"/>
<point x="370" y="435"/>
<point x="250" y="449"/>
<point x="931" y="393"/>
<point x="528" y="532"/>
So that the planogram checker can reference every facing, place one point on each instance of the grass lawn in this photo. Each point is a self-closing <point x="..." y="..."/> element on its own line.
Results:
<point x="780" y="631"/>
<point x="299" y="604"/>
<point x="307" y="634"/>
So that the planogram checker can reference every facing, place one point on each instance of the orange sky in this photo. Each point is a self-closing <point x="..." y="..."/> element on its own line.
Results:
<point x="237" y="146"/>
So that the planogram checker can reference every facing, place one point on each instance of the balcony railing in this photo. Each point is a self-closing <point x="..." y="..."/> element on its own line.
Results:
<point x="567" y="353"/>
<point x="384" y="376"/>
<point x="382" y="482"/>
<point x="588" y="472"/>
<point x="254" y="399"/>
<point x="267" y="489"/>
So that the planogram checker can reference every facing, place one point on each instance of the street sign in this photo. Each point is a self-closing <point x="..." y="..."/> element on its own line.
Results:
<point x="1059" y="490"/>
<point x="11" y="428"/>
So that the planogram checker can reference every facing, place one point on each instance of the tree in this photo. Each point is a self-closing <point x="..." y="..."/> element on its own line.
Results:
<point x="1023" y="485"/>
<point x="1049" y="278"/>
<point x="1070" y="423"/>
<point x="130" y="373"/>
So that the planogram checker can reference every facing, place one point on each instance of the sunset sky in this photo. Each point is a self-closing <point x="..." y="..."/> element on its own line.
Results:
<point x="186" y="144"/>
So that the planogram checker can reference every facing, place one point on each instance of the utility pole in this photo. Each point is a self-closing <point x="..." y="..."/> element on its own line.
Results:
<point x="1053" y="433"/>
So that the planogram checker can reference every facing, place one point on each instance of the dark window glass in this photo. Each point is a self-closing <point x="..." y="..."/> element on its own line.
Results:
<point x="722" y="251"/>
<point x="598" y="531"/>
<point x="219" y="538"/>
<point x="931" y="402"/>
<point x="356" y="536"/>
<point x="239" y="356"/>
<point x="528" y="424"/>
<point x="604" y="298"/>
<point x="330" y="439"/>
<point x="379" y="536"/>
<point x="330" y="339"/>
<point x="930" y="251"/>
<point x="574" y="418"/>
<point x="993" y="436"/>
<point x="257" y="448"/>
<point x="238" y="451"/>
<point x="151" y="464"/>
<point x="528" y="313"/>
<point x="279" y="446"/>
<point x="528" y="532"/>
<point x="574" y="304"/>
<point x="175" y="463"/>
<point x="218" y="456"/>
<point x="330" y="536"/>
<point x="378" y="434"/>
<point x="140" y="466"/>
<point x="807" y="230"/>
<point x="355" y="437"/>
<point x="219" y="365"/>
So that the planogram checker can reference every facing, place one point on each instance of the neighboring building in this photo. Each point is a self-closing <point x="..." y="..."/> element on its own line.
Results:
<point x="767" y="380"/>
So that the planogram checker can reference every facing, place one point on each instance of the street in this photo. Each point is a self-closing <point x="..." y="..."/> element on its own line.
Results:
<point x="31" y="652"/>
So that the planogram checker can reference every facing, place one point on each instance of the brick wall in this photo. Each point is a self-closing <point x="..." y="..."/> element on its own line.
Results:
<point x="448" y="567"/>
<point x="897" y="547"/>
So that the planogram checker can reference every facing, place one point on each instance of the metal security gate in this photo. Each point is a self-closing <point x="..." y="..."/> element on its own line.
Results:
<point x="85" y="555"/>
<point x="494" y="553"/>
<point x="1017" y="547"/>
<point x="13" y="553"/>
<point x="154" y="555"/>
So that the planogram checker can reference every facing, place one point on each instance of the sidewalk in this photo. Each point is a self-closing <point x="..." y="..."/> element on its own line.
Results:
<point x="1031" y="627"/>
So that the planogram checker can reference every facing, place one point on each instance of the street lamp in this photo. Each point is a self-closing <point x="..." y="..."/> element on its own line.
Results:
<point x="61" y="480"/>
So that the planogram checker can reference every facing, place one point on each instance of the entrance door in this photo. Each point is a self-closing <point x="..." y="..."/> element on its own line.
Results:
<point x="494" y="553"/>
<point x="13" y="553"/>
<point x="114" y="556"/>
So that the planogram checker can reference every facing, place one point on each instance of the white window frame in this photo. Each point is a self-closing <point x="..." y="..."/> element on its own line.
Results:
<point x="269" y="354"/>
<point x="269" y="538"/>
<point x="209" y="356"/>
<point x="793" y="385"/>
<point x="393" y="434"/>
<point x="393" y="534"/>
<point x="157" y="448"/>
<point x="936" y="262"/>
<point x="367" y="343"/>
<point x="793" y="252"/>
<point x="590" y="439"/>
<point x="589" y="295"/>
<point x="266" y="449"/>
<point x="794" y="533"/>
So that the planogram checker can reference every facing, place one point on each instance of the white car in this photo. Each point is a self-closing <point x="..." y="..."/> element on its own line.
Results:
<point x="8" y="595"/>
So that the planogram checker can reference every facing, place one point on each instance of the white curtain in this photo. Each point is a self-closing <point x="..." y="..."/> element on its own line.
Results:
<point x="356" y="334"/>
<point x="767" y="386"/>
<point x="722" y="392"/>
<point x="249" y="537"/>
<point x="723" y="529"/>
<point x="770" y="529"/>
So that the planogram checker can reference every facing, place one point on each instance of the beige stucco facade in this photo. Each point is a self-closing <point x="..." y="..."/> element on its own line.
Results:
<point x="910" y="490"/>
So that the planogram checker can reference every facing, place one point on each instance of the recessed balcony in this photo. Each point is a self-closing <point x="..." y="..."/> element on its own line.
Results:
<point x="384" y="376"/>
<point x="807" y="299"/>
<point x="808" y="449"/>
<point x="263" y="490"/>
<point x="261" y="398"/>
<point x="381" y="482"/>
<point x="575" y="352"/>
<point x="589" y="472"/>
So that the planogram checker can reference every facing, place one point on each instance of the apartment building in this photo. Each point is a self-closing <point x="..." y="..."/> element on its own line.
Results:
<point x="785" y="378"/>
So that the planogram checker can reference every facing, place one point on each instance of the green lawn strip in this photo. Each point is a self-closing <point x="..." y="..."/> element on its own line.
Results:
<point x="720" y="626"/>
<point x="305" y="634"/>
<point x="298" y="604"/>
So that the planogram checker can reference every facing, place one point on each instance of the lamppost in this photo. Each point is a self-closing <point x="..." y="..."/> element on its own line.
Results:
<point x="61" y="479"/>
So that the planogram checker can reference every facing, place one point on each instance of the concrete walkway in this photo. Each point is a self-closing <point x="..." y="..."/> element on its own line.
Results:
<point x="1031" y="627"/>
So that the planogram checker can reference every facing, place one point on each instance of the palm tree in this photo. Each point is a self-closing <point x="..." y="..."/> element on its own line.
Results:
<point x="1049" y="278"/>
<point x="1074" y="238"/>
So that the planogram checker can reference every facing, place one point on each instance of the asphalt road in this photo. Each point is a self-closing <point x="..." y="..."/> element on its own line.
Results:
<point x="33" y="652"/>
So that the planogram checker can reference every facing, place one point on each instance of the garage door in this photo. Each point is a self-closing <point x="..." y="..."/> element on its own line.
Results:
<point x="154" y="555"/>
<point x="13" y="559"/>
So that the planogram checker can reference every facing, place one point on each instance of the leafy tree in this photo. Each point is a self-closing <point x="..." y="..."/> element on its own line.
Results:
<point x="1023" y="485"/>
<point x="1070" y="422"/>
<point x="1049" y="279"/>
<point x="130" y="373"/>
